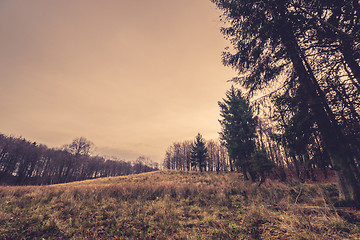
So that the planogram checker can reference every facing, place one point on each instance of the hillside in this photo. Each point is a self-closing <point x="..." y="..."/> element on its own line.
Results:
<point x="175" y="205"/>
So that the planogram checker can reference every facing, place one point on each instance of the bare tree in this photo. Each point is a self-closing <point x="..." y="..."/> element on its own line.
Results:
<point x="80" y="146"/>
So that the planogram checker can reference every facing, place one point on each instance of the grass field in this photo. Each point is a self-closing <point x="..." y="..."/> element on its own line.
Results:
<point x="175" y="205"/>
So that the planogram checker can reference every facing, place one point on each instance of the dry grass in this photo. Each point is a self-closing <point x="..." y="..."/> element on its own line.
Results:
<point x="174" y="205"/>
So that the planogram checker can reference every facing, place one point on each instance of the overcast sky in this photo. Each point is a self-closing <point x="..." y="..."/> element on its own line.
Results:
<point x="132" y="76"/>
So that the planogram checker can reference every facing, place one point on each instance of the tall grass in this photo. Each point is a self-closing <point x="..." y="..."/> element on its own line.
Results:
<point x="174" y="205"/>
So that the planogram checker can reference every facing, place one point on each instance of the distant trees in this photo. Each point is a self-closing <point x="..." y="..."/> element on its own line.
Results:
<point x="178" y="156"/>
<point x="24" y="162"/>
<point x="144" y="164"/>
<point x="79" y="146"/>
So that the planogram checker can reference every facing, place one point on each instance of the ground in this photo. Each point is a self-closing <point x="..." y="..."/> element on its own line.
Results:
<point x="176" y="205"/>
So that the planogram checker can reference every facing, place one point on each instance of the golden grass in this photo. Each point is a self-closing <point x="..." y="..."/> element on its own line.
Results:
<point x="174" y="205"/>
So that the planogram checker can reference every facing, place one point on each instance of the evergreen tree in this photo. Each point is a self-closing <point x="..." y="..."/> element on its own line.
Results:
<point x="238" y="130"/>
<point x="260" y="163"/>
<point x="199" y="153"/>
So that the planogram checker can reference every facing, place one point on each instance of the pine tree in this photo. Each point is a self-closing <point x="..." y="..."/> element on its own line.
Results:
<point x="260" y="163"/>
<point x="238" y="131"/>
<point x="199" y="153"/>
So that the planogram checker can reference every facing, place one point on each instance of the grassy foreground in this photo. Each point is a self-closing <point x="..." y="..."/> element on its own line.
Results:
<point x="175" y="205"/>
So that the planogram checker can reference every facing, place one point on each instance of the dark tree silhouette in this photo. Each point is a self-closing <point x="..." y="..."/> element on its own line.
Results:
<point x="238" y="131"/>
<point x="178" y="156"/>
<point x="199" y="153"/>
<point x="23" y="162"/>
<point x="80" y="146"/>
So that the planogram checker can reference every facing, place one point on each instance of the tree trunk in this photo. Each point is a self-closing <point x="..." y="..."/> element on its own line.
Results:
<point x="231" y="165"/>
<point x="347" y="52"/>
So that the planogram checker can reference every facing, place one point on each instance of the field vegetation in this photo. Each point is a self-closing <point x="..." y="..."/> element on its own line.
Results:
<point x="175" y="205"/>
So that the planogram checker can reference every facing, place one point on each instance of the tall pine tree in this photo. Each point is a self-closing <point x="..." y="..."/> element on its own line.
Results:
<point x="199" y="153"/>
<point x="238" y="131"/>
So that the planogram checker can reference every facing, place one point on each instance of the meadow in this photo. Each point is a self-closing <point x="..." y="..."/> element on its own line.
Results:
<point x="175" y="205"/>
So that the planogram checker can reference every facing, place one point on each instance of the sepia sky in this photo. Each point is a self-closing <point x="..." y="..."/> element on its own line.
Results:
<point x="132" y="76"/>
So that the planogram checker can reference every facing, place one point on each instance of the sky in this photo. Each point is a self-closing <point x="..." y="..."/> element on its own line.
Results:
<point x="132" y="76"/>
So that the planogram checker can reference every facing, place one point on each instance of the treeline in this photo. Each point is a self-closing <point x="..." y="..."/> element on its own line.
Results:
<point x="179" y="156"/>
<point x="284" y="161"/>
<point x="23" y="163"/>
